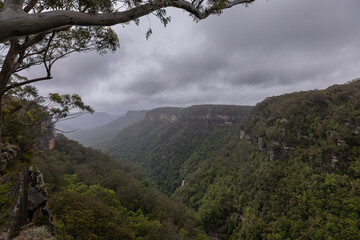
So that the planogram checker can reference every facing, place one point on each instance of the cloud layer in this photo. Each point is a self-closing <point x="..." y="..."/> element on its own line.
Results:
<point x="240" y="57"/>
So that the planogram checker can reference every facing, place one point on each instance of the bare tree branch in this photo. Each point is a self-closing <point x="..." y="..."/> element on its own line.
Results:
<point x="63" y="131"/>
<point x="30" y="5"/>
<point x="19" y="84"/>
<point x="48" y="67"/>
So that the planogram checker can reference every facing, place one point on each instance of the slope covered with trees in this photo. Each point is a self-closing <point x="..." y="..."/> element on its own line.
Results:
<point x="289" y="171"/>
<point x="287" y="168"/>
<point x="92" y="137"/>
<point x="170" y="141"/>
<point x="94" y="197"/>
<point x="293" y="175"/>
<point x="90" y="195"/>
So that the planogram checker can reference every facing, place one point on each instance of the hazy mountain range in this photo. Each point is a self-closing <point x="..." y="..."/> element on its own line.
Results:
<point x="93" y="136"/>
<point x="86" y="121"/>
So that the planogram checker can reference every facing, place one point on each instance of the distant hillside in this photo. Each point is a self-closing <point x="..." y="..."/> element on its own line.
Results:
<point x="289" y="169"/>
<point x="92" y="137"/>
<point x="293" y="173"/>
<point x="220" y="115"/>
<point x="165" y="140"/>
<point x="94" y="197"/>
<point x="86" y="121"/>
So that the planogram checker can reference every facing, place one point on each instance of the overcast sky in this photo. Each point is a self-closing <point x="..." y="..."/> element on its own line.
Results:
<point x="241" y="57"/>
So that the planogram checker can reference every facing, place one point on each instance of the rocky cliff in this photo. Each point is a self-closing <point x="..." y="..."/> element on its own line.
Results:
<point x="26" y="197"/>
<point x="325" y="123"/>
<point x="220" y="115"/>
<point x="23" y="198"/>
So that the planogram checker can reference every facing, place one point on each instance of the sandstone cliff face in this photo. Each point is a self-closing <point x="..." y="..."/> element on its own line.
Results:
<point x="8" y="154"/>
<point x="27" y="194"/>
<point x="282" y="143"/>
<point x="224" y="120"/>
<point x="221" y="115"/>
<point x="45" y="136"/>
<point x="273" y="148"/>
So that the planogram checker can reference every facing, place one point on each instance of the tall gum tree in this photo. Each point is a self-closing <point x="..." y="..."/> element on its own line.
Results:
<point x="40" y="32"/>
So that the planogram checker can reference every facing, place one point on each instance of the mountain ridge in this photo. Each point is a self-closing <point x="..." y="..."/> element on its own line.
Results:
<point x="86" y="121"/>
<point x="91" y="137"/>
<point x="289" y="169"/>
<point x="165" y="139"/>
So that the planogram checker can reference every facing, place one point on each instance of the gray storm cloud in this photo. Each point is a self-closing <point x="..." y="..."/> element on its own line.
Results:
<point x="240" y="57"/>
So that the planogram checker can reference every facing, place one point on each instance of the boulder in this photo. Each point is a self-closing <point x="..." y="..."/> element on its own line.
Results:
<point x="8" y="153"/>
<point x="38" y="233"/>
<point x="35" y="200"/>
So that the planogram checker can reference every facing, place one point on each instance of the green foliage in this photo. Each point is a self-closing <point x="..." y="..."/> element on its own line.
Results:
<point x="86" y="186"/>
<point x="5" y="203"/>
<point x="62" y="106"/>
<point x="4" y="198"/>
<point x="172" y="149"/>
<point x="89" y="213"/>
<point x="313" y="192"/>
<point x="82" y="39"/>
<point x="27" y="156"/>
<point x="236" y="192"/>
<point x="20" y="113"/>
<point x="310" y="194"/>
<point x="27" y="117"/>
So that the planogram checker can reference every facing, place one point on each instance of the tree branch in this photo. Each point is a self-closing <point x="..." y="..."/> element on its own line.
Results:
<point x="18" y="24"/>
<point x="48" y="68"/>
<point x="30" y="6"/>
<point x="187" y="6"/>
<point x="27" y="82"/>
<point x="63" y="131"/>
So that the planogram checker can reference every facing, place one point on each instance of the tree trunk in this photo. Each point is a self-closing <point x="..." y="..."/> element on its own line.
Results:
<point x="5" y="75"/>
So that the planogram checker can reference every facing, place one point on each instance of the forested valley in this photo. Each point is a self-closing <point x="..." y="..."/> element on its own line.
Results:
<point x="287" y="168"/>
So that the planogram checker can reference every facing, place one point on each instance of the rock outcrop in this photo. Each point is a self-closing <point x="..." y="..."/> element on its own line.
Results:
<point x="31" y="233"/>
<point x="38" y="210"/>
<point x="45" y="136"/>
<point x="29" y="207"/>
<point x="8" y="154"/>
<point x="274" y="149"/>
<point x="220" y="115"/>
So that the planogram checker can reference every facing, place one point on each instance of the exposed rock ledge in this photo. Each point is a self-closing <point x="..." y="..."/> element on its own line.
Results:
<point x="30" y="206"/>
<point x="35" y="233"/>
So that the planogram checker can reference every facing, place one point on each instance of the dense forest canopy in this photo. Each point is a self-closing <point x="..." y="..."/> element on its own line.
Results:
<point x="287" y="168"/>
<point x="96" y="196"/>
<point x="287" y="171"/>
